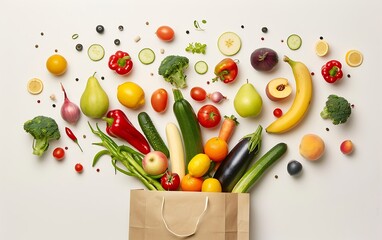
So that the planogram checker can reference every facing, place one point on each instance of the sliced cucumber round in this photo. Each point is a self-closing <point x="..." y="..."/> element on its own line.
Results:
<point x="229" y="43"/>
<point x="96" y="52"/>
<point x="294" y="42"/>
<point x="201" y="67"/>
<point x="146" y="56"/>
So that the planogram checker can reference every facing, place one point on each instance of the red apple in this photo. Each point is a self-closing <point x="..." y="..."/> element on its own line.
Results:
<point x="155" y="163"/>
<point x="278" y="89"/>
<point x="347" y="147"/>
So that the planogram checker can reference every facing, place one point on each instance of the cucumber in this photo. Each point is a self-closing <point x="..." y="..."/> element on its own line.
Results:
<point x="188" y="125"/>
<point x="254" y="173"/>
<point x="146" y="56"/>
<point x="201" y="67"/>
<point x="294" y="42"/>
<point x="152" y="134"/>
<point x="229" y="43"/>
<point x="96" y="52"/>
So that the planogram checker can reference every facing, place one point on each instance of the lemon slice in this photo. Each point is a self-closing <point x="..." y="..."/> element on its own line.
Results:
<point x="35" y="86"/>
<point x="322" y="48"/>
<point x="354" y="58"/>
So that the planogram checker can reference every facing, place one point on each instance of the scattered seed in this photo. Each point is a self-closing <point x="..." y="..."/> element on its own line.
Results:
<point x="262" y="38"/>
<point x="242" y="26"/>
<point x="55" y="50"/>
<point x="312" y="73"/>
<point x="38" y="101"/>
<point x="276" y="176"/>
<point x="120" y="28"/>
<point x="53" y="105"/>
<point x="321" y="37"/>
<point x="327" y="129"/>
<point x="52" y="97"/>
<point x="187" y="32"/>
<point x="84" y="136"/>
<point x="348" y="76"/>
<point x="77" y="79"/>
<point x="147" y="23"/>
<point x="264" y="29"/>
<point x="36" y="46"/>
<point x="102" y="78"/>
<point x="66" y="148"/>
<point x="162" y="51"/>
<point x="117" y="42"/>
<point x="137" y="38"/>
<point x="42" y="34"/>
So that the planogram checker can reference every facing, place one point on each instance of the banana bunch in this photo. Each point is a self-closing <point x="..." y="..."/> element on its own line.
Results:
<point x="301" y="101"/>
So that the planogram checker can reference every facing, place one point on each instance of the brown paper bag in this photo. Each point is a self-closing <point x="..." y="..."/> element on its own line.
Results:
<point x="192" y="215"/>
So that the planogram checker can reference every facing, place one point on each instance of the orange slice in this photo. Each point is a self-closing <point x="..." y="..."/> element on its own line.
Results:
<point x="354" y="58"/>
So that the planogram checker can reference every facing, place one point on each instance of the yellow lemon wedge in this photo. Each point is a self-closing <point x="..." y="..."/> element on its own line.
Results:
<point x="354" y="58"/>
<point x="35" y="86"/>
<point x="322" y="48"/>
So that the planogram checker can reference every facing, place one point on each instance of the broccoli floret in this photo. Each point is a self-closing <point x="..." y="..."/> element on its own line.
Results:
<point x="43" y="129"/>
<point x="337" y="109"/>
<point x="172" y="69"/>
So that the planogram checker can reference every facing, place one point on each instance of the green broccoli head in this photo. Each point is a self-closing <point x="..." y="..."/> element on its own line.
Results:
<point x="43" y="129"/>
<point x="337" y="109"/>
<point x="172" y="69"/>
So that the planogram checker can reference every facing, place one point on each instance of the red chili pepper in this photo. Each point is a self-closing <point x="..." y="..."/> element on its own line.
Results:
<point x="120" y="62"/>
<point x="331" y="71"/>
<point x="72" y="136"/>
<point x="226" y="70"/>
<point x="119" y="126"/>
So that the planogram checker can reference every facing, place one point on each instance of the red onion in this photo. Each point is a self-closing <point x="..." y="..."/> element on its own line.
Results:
<point x="216" y="97"/>
<point x="264" y="59"/>
<point x="70" y="112"/>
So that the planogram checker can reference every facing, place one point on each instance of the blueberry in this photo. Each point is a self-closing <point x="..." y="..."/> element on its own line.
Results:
<point x="79" y="47"/>
<point x="120" y="27"/>
<point x="100" y="29"/>
<point x="264" y="29"/>
<point x="294" y="167"/>
<point x="117" y="42"/>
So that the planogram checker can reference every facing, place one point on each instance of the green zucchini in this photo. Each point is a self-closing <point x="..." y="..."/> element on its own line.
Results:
<point x="152" y="134"/>
<point x="188" y="125"/>
<point x="254" y="173"/>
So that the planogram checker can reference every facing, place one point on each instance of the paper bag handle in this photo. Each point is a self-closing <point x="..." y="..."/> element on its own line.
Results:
<point x="196" y="225"/>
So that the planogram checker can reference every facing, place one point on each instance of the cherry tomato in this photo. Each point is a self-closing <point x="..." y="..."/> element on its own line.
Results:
<point x="170" y="181"/>
<point x="277" y="112"/>
<point x="165" y="33"/>
<point x="58" y="153"/>
<point x="198" y="94"/>
<point x="78" y="167"/>
<point x="159" y="100"/>
<point x="209" y="116"/>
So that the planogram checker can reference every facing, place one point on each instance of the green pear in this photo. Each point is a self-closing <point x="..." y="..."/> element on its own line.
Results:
<point x="94" y="101"/>
<point x="248" y="102"/>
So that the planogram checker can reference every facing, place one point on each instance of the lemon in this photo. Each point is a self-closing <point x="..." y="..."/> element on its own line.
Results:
<point x="35" y="86"/>
<point x="131" y="95"/>
<point x="199" y="165"/>
<point x="354" y="58"/>
<point x="211" y="185"/>
<point x="322" y="48"/>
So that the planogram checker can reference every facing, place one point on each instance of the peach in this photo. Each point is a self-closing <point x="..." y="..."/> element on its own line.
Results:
<point x="347" y="147"/>
<point x="278" y="89"/>
<point x="312" y="147"/>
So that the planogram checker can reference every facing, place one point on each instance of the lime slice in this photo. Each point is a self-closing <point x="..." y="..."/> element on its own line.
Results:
<point x="322" y="48"/>
<point x="354" y="58"/>
<point x="35" y="86"/>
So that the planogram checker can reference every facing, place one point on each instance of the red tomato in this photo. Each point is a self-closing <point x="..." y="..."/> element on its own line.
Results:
<point x="198" y="94"/>
<point x="277" y="112"/>
<point x="59" y="153"/>
<point x="78" y="167"/>
<point x="170" y="181"/>
<point x="165" y="33"/>
<point x="159" y="100"/>
<point x="209" y="116"/>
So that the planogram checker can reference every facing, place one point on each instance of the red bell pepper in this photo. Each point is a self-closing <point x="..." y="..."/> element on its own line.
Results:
<point x="331" y="71"/>
<point x="226" y="70"/>
<point x="119" y="126"/>
<point x="121" y="62"/>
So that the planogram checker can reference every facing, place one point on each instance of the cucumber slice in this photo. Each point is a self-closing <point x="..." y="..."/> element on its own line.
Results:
<point x="294" y="42"/>
<point x="146" y="56"/>
<point x="201" y="67"/>
<point x="96" y="52"/>
<point x="229" y="43"/>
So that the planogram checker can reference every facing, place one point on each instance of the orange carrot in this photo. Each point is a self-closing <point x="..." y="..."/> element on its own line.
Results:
<point x="227" y="128"/>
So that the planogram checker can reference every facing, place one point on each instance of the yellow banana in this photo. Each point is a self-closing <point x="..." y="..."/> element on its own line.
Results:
<point x="301" y="101"/>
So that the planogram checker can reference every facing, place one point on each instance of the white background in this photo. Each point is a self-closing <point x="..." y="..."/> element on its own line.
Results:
<point x="338" y="197"/>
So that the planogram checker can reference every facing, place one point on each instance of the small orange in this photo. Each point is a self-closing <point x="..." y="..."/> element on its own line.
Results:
<point x="216" y="148"/>
<point x="56" y="64"/>
<point x="211" y="185"/>
<point x="190" y="183"/>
